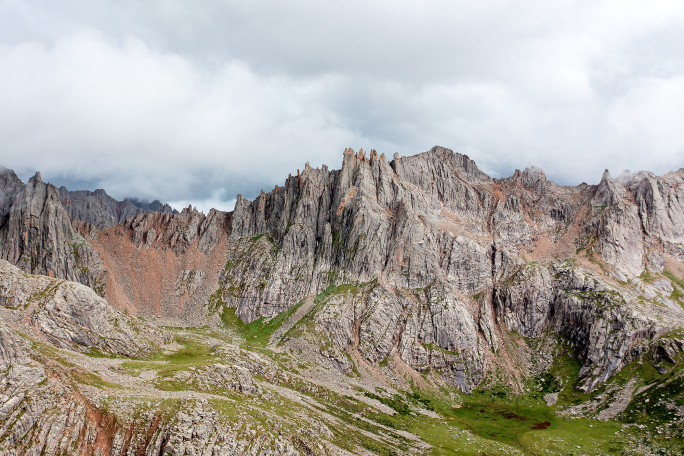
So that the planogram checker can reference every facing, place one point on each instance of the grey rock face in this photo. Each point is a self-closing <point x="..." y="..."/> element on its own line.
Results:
<point x="45" y="231"/>
<point x="615" y="228"/>
<point x="659" y="200"/>
<point x="357" y="224"/>
<point x="11" y="351"/>
<point x="435" y="219"/>
<point x="102" y="211"/>
<point x="179" y="231"/>
<point x="10" y="186"/>
<point x="419" y="264"/>
<point x="438" y="247"/>
<point x="606" y="324"/>
<point x="427" y="328"/>
<point x="38" y="236"/>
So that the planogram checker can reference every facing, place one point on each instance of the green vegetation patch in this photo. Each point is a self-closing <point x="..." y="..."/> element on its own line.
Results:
<point x="259" y="331"/>
<point x="396" y="403"/>
<point x="259" y="236"/>
<point x="484" y="423"/>
<point x="333" y="290"/>
<point x="674" y="279"/>
<point x="193" y="354"/>
<point x="646" y="276"/>
<point x="88" y="378"/>
<point x="677" y="288"/>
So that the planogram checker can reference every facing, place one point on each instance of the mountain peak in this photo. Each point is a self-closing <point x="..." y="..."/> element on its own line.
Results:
<point x="364" y="288"/>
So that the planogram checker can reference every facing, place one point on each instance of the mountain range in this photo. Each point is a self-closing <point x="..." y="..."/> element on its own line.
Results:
<point x="405" y="306"/>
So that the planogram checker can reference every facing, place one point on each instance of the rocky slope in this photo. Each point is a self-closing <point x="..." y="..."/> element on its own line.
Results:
<point x="70" y="315"/>
<point x="59" y="401"/>
<point x="165" y="266"/>
<point x="274" y="388"/>
<point x="44" y="230"/>
<point x="423" y="267"/>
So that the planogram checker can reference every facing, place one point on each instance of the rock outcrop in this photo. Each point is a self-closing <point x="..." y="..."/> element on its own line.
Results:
<point x="102" y="211"/>
<point x="71" y="315"/>
<point x="608" y="325"/>
<point x="37" y="235"/>
<point x="165" y="266"/>
<point x="47" y="231"/>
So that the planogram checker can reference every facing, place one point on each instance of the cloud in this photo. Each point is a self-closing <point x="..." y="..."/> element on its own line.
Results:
<point x="188" y="102"/>
<point x="150" y="124"/>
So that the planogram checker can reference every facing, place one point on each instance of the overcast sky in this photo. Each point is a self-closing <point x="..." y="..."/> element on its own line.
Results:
<point x="196" y="101"/>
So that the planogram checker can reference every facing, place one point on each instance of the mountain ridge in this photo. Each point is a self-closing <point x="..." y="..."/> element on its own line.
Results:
<point x="421" y="266"/>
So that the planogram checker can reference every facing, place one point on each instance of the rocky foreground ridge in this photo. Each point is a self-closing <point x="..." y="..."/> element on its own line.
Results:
<point x="409" y="269"/>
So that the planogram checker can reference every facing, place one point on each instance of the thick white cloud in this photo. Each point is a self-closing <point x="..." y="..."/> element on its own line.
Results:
<point x="195" y="102"/>
<point x="151" y="123"/>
